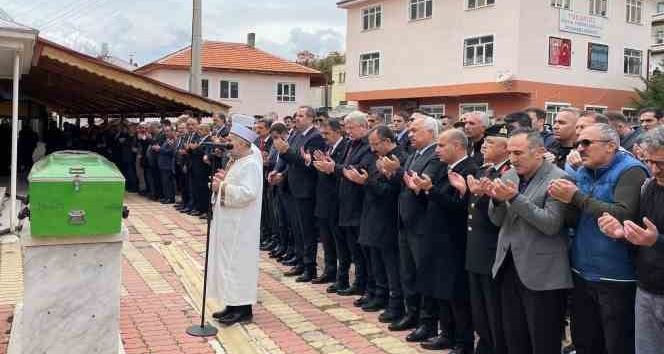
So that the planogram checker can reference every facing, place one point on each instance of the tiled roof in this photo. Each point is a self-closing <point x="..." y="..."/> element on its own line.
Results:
<point x="231" y="56"/>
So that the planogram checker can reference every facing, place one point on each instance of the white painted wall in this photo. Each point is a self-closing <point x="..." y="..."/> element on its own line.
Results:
<point x="257" y="92"/>
<point x="429" y="52"/>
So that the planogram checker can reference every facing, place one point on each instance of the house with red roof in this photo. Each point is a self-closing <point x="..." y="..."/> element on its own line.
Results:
<point x="244" y="77"/>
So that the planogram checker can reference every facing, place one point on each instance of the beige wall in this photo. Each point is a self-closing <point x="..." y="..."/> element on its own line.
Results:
<point x="429" y="52"/>
<point x="338" y="88"/>
<point x="257" y="92"/>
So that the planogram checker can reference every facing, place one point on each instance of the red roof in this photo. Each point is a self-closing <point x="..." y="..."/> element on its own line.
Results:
<point x="232" y="57"/>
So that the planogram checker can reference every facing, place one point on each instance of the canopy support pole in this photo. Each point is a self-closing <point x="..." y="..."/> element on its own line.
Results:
<point x="14" y="163"/>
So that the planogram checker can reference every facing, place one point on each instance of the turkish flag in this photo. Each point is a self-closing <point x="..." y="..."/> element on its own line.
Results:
<point x="560" y="51"/>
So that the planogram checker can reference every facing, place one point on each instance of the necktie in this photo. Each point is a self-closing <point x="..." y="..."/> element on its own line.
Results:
<point x="262" y="144"/>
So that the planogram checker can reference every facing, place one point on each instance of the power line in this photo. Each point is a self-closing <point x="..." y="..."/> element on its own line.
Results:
<point x="71" y="13"/>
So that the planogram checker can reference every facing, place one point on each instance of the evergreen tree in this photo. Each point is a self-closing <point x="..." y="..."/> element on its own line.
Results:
<point x="653" y="94"/>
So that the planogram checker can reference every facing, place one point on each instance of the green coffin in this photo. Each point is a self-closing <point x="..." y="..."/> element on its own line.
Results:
<point x="75" y="193"/>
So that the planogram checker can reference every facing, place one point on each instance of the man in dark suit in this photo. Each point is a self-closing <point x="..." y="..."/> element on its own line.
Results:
<point x="350" y="201"/>
<point x="264" y="144"/>
<point x="275" y="178"/>
<point x="481" y="245"/>
<point x="379" y="225"/>
<point x="327" y="211"/>
<point x="475" y="124"/>
<point x="400" y="128"/>
<point x="166" y="163"/>
<point x="412" y="205"/>
<point x="302" y="183"/>
<point x="532" y="265"/>
<point x="444" y="235"/>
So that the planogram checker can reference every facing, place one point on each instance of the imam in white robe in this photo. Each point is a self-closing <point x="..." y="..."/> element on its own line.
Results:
<point x="235" y="233"/>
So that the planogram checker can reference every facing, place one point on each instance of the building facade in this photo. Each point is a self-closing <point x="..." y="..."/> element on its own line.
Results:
<point x="498" y="56"/>
<point x="249" y="80"/>
<point x="657" y="48"/>
<point x="338" y="85"/>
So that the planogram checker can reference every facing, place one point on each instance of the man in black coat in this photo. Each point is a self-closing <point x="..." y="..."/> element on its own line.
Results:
<point x="412" y="205"/>
<point x="379" y="225"/>
<point x="350" y="201"/>
<point x="443" y="278"/>
<point x="327" y="211"/>
<point x="481" y="245"/>
<point x="302" y="183"/>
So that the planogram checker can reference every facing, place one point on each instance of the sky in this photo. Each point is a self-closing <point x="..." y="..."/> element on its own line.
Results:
<point x="150" y="29"/>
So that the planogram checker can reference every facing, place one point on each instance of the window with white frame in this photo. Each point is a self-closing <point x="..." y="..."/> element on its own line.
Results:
<point x="660" y="7"/>
<point x="342" y="78"/>
<point x="552" y="108"/>
<point x="370" y="64"/>
<point x="473" y="107"/>
<point x="474" y="4"/>
<point x="597" y="7"/>
<point x="372" y="17"/>
<point x="478" y="51"/>
<point x="433" y="110"/>
<point x="659" y="36"/>
<point x="632" y="61"/>
<point x="420" y="9"/>
<point x="229" y="89"/>
<point x="630" y="114"/>
<point x="562" y="4"/>
<point x="596" y="109"/>
<point x="385" y="113"/>
<point x="634" y="11"/>
<point x="285" y="92"/>
<point x="205" y="87"/>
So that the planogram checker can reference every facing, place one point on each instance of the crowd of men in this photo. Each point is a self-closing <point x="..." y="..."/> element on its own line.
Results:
<point x="458" y="229"/>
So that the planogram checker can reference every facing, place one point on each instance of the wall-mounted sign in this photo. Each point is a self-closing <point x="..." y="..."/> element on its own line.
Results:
<point x="576" y="22"/>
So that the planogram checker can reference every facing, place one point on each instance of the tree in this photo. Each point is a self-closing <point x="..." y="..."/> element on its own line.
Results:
<point x="324" y="65"/>
<point x="653" y="94"/>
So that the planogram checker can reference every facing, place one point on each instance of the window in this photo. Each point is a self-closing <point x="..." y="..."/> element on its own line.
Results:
<point x="598" y="57"/>
<point x="385" y="113"/>
<point x="478" y="51"/>
<point x="560" y="51"/>
<point x="342" y="78"/>
<point x="632" y="62"/>
<point x="561" y="4"/>
<point x="597" y="7"/>
<point x="285" y="92"/>
<point x="229" y="89"/>
<point x="474" y="4"/>
<point x="473" y="107"/>
<point x="596" y="109"/>
<point x="660" y="7"/>
<point x="630" y="114"/>
<point x="370" y="64"/>
<point x="372" y="17"/>
<point x="552" y="108"/>
<point x="434" y="110"/>
<point x="659" y="36"/>
<point x="205" y="88"/>
<point x="634" y="11"/>
<point x="420" y="9"/>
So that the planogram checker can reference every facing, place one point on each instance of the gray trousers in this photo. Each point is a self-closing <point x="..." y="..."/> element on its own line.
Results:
<point x="649" y="322"/>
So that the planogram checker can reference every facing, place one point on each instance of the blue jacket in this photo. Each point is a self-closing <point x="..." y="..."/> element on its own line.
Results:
<point x="596" y="256"/>
<point x="166" y="158"/>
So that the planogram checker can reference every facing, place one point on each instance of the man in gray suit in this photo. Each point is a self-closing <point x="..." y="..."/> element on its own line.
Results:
<point x="532" y="266"/>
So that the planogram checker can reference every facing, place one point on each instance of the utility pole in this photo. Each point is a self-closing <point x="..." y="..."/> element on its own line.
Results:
<point x="196" y="43"/>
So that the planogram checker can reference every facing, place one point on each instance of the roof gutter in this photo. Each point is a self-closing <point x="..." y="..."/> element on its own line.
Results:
<point x="344" y="4"/>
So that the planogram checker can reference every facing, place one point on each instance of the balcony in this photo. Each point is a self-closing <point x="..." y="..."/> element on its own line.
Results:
<point x="658" y="18"/>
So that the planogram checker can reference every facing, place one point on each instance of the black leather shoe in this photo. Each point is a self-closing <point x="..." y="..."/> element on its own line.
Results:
<point x="223" y="313"/>
<point x="439" y="343"/>
<point x="376" y="304"/>
<point x="407" y="322"/>
<point x="307" y="276"/>
<point x="295" y="271"/>
<point x="267" y="246"/>
<point x="422" y="333"/>
<point x="286" y="256"/>
<point x="277" y="251"/>
<point x="332" y="289"/>
<point x="324" y="278"/>
<point x="352" y="291"/>
<point x="236" y="317"/>
<point x="389" y="317"/>
<point x="186" y="210"/>
<point x="291" y="262"/>
<point x="365" y="299"/>
<point x="195" y="213"/>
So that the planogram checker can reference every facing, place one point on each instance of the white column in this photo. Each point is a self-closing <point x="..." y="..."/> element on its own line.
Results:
<point x="14" y="166"/>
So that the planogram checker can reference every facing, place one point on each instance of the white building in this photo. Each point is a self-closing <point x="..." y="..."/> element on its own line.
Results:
<point x="248" y="79"/>
<point x="448" y="57"/>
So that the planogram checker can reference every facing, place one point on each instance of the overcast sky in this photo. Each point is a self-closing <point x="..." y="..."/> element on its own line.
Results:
<point x="149" y="29"/>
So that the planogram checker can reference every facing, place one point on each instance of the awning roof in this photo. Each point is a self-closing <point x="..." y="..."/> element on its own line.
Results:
<point x="74" y="84"/>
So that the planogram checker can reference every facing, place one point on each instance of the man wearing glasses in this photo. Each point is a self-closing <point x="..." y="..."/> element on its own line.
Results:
<point x="609" y="181"/>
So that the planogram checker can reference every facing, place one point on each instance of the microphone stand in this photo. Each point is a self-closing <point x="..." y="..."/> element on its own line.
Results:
<point x="206" y="329"/>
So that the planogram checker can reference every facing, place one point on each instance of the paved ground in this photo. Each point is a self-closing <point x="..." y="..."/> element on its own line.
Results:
<point x="162" y="277"/>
